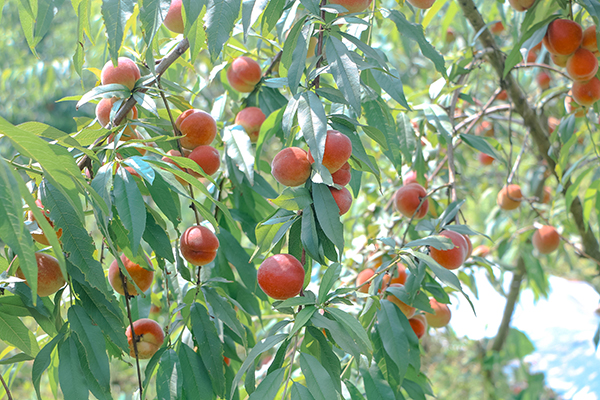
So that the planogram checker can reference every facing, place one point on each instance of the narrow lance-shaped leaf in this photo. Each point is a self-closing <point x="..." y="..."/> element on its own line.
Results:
<point x="115" y="14"/>
<point x="220" y="19"/>
<point x="345" y="71"/>
<point x="130" y="205"/>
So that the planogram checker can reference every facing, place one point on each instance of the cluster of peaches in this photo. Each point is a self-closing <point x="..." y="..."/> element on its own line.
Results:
<point x="577" y="50"/>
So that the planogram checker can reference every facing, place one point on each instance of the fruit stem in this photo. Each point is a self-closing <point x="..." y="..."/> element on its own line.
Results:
<point x="6" y="389"/>
<point x="320" y="45"/>
<point x="134" y="337"/>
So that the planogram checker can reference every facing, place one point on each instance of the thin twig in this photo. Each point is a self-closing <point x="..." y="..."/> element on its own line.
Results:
<point x="287" y="381"/>
<point x="544" y="66"/>
<point x="134" y="337"/>
<point x="6" y="387"/>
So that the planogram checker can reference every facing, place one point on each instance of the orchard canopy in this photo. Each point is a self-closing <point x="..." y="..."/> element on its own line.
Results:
<point x="286" y="199"/>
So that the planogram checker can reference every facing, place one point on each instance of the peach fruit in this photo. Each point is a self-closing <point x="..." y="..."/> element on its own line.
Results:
<point x="418" y="323"/>
<point x="481" y="251"/>
<point x="243" y="74"/>
<point x="450" y="36"/>
<point x="486" y="128"/>
<point x="546" y="239"/>
<point x="141" y="276"/>
<point x="149" y="336"/>
<point x="441" y="314"/>
<point x="208" y="158"/>
<point x="407" y="310"/>
<point x="586" y="93"/>
<point x="198" y="245"/>
<point x="563" y="37"/>
<point x="497" y="28"/>
<point x="343" y="175"/>
<point x="454" y="257"/>
<point x="126" y="73"/>
<point x="509" y="197"/>
<point x="49" y="278"/>
<point x="521" y="5"/>
<point x="41" y="237"/>
<point x="589" y="41"/>
<point x="251" y="119"/>
<point x="342" y="198"/>
<point x="362" y="277"/>
<point x="411" y="177"/>
<point x="174" y="20"/>
<point x="546" y="197"/>
<point x="338" y="149"/>
<point x="422" y="4"/>
<point x="503" y="95"/>
<point x="582" y="65"/>
<point x="174" y="153"/>
<point x="560" y="61"/>
<point x="291" y="166"/>
<point x="485" y="159"/>
<point x="543" y="80"/>
<point x="553" y="123"/>
<point x="281" y="276"/>
<point x="198" y="127"/>
<point x="572" y="107"/>
<point x="469" y="246"/>
<point x="353" y="6"/>
<point x="408" y="198"/>
<point x="402" y="275"/>
<point x="103" y="110"/>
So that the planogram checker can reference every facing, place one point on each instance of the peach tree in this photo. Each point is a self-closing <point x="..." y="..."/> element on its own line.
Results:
<point x="278" y="199"/>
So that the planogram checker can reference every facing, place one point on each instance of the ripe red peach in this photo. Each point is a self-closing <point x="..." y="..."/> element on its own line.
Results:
<point x="104" y="108"/>
<point x="407" y="310"/>
<point x="422" y="4"/>
<point x="582" y="65"/>
<point x="418" y="323"/>
<point x="41" y="237"/>
<point x="503" y="95"/>
<point x="469" y="246"/>
<point x="563" y="37"/>
<point x="198" y="245"/>
<point x="485" y="159"/>
<point x="291" y="166"/>
<point x="342" y="198"/>
<point x="521" y="5"/>
<point x="553" y="123"/>
<point x="408" y="198"/>
<point x="362" y="277"/>
<point x="486" y="128"/>
<point x="411" y="177"/>
<point x="441" y="314"/>
<point x="243" y="74"/>
<point x="338" y="149"/>
<point x="125" y="73"/>
<point x="546" y="197"/>
<point x="251" y="119"/>
<point x="543" y="80"/>
<point x="497" y="28"/>
<point x="509" y="197"/>
<point x="343" y="175"/>
<point x="589" y="41"/>
<point x="141" y="276"/>
<point x="353" y="6"/>
<point x="454" y="257"/>
<point x="546" y="239"/>
<point x="198" y="127"/>
<point x="149" y="337"/>
<point x="207" y="157"/>
<point x="49" y="277"/>
<point x="281" y="276"/>
<point x="174" y="20"/>
<point x="586" y="93"/>
<point x="481" y="251"/>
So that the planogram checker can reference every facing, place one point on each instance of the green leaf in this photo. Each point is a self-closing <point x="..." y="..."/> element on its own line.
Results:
<point x="220" y="19"/>
<point x="152" y="13"/>
<point x="42" y="362"/>
<point x="251" y="10"/>
<point x="210" y="345"/>
<point x="302" y="318"/>
<point x="166" y="200"/>
<point x="437" y="241"/>
<point x="271" y="15"/>
<point x="196" y="381"/>
<point x="328" y="358"/>
<point x="157" y="238"/>
<point x="70" y="375"/>
<point x="354" y="392"/>
<point x="268" y="388"/>
<point x="394" y="335"/>
<point x="131" y="207"/>
<point x="270" y="232"/>
<point x="300" y="392"/>
<point x="12" y="227"/>
<point x="115" y="14"/>
<point x="93" y="346"/>
<point x="342" y="337"/>
<point x="237" y="256"/>
<point x="376" y="387"/>
<point x="27" y="20"/>
<point x="103" y="181"/>
<point x="224" y="311"/>
<point x="415" y="33"/>
<point x="345" y="71"/>
<point x="294" y="53"/>
<point x="352" y="326"/>
<point x="293" y="199"/>
<point x="15" y="333"/>
<point x="313" y="124"/>
<point x="239" y="149"/>
<point x="169" y="383"/>
<point x="318" y="381"/>
<point x="17" y="358"/>
<point x="392" y="84"/>
<point x="267" y="344"/>
<point x="329" y="219"/>
<point x="329" y="278"/>
<point x="309" y="236"/>
<point x="480" y="144"/>
<point x="195" y="33"/>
